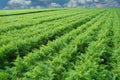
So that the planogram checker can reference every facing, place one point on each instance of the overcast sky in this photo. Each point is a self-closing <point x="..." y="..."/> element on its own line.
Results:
<point x="21" y="4"/>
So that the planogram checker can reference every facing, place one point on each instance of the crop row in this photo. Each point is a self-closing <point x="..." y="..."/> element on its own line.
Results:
<point x="22" y="47"/>
<point x="71" y="46"/>
<point x="31" y="22"/>
<point x="57" y="47"/>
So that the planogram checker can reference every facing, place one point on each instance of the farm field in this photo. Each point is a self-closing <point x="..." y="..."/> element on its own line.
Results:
<point x="60" y="44"/>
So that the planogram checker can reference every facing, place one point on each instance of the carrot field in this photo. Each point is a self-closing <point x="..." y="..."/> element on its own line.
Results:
<point x="60" y="44"/>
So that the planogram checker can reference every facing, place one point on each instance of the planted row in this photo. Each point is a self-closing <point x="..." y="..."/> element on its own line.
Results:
<point x="50" y="52"/>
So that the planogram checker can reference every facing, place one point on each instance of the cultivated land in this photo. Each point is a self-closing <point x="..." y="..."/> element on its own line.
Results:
<point x="60" y="44"/>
